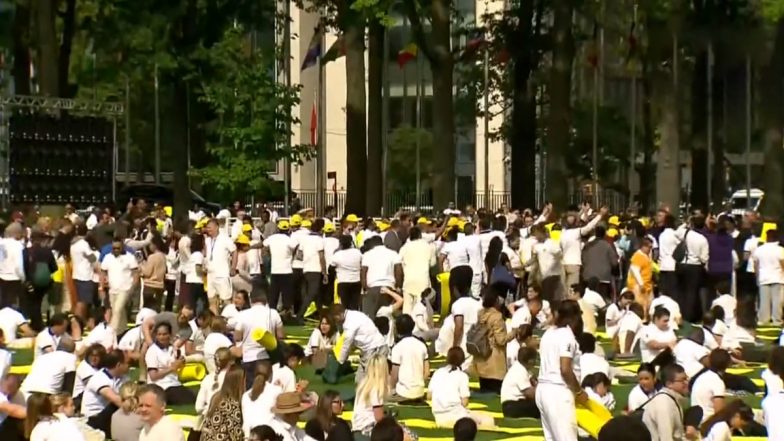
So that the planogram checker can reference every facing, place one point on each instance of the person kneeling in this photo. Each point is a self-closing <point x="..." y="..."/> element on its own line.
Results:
<point x="102" y="393"/>
<point x="518" y="389"/>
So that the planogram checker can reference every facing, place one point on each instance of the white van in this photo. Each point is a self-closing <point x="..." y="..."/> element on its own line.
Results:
<point x="740" y="203"/>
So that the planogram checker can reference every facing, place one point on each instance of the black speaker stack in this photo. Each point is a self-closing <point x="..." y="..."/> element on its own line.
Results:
<point x="58" y="160"/>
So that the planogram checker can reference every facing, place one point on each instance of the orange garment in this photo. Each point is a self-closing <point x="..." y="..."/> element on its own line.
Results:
<point x="644" y="263"/>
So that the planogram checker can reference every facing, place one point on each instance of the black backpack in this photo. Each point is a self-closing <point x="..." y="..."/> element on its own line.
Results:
<point x="478" y="341"/>
<point x="681" y="250"/>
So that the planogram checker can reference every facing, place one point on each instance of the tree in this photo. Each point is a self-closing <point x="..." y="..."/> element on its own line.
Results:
<point x="249" y="133"/>
<point x="401" y="177"/>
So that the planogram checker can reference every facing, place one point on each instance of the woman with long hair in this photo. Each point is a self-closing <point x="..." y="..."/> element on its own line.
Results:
<point x="223" y="421"/>
<point x="257" y="403"/>
<point x="328" y="411"/>
<point x="492" y="369"/>
<point x="163" y="361"/>
<point x="212" y="383"/>
<point x="153" y="269"/>
<point x="736" y="415"/>
<point x="369" y="402"/>
<point x="41" y="423"/>
<point x="64" y="411"/>
<point x="126" y="423"/>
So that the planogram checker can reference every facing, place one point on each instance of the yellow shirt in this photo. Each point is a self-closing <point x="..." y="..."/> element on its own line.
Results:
<point x="644" y="263"/>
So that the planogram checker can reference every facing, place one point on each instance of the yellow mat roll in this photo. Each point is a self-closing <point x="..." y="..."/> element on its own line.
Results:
<point x="335" y="296"/>
<point x="20" y="370"/>
<point x="265" y="338"/>
<point x="446" y="296"/>
<point x="338" y="345"/>
<point x="192" y="372"/>
<point x="592" y="416"/>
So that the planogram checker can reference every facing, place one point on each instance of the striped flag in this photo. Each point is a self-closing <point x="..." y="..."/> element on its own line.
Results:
<point x="408" y="53"/>
<point x="314" y="124"/>
<point x="314" y="48"/>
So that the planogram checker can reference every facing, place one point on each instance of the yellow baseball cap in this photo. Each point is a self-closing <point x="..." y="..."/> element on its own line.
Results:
<point x="614" y="220"/>
<point x="453" y="222"/>
<point x="352" y="218"/>
<point x="382" y="226"/>
<point x="242" y="240"/>
<point x="306" y="223"/>
<point x="246" y="228"/>
<point x="296" y="220"/>
<point x="202" y="222"/>
<point x="168" y="210"/>
<point x="329" y="227"/>
<point x="424" y="221"/>
<point x="283" y="225"/>
<point x="612" y="233"/>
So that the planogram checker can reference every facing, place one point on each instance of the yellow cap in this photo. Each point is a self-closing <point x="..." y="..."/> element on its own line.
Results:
<point x="424" y="221"/>
<point x="612" y="233"/>
<point x="329" y="227"/>
<point x="242" y="240"/>
<point x="283" y="225"/>
<point x="645" y="221"/>
<point x="614" y="220"/>
<point x="296" y="220"/>
<point x="352" y="218"/>
<point x="382" y="226"/>
<point x="306" y="223"/>
<point x="461" y="225"/>
<point x="168" y="210"/>
<point x="246" y="228"/>
<point x="202" y="222"/>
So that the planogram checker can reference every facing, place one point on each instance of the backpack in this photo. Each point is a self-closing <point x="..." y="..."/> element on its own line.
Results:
<point x="478" y="341"/>
<point x="41" y="277"/>
<point x="681" y="250"/>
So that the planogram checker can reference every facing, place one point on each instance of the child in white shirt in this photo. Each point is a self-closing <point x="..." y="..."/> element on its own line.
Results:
<point x="518" y="389"/>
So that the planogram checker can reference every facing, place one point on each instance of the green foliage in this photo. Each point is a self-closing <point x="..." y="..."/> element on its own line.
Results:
<point x="252" y="115"/>
<point x="402" y="158"/>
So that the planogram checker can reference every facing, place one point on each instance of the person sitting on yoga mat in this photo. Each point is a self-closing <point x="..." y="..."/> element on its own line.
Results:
<point x="518" y="389"/>
<point x="773" y="409"/>
<point x="691" y="353"/>
<point x="590" y="361"/>
<point x="13" y="322"/>
<point x="708" y="390"/>
<point x="163" y="362"/>
<point x="239" y="302"/>
<point x="48" y="339"/>
<point x="12" y="412"/>
<point x="773" y="382"/>
<point x="102" y="393"/>
<point x="328" y="411"/>
<point x="523" y="338"/>
<point x="734" y="417"/>
<point x="657" y="336"/>
<point x="448" y="393"/>
<point x="126" y="423"/>
<point x="63" y="407"/>
<point x="41" y="424"/>
<point x="615" y="312"/>
<point x="645" y="389"/>
<point x="86" y="369"/>
<point x="597" y="386"/>
<point x="410" y="365"/>
<point x="53" y="372"/>
<point x="629" y="329"/>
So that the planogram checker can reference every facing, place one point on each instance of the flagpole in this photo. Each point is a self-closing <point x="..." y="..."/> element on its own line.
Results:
<point x="405" y="79"/>
<point x="419" y="92"/>
<point x="486" y="104"/>
<point x="385" y="124"/>
<point x="595" y="137"/>
<point x="322" y="142"/>
<point x="748" y="132"/>
<point x="633" y="134"/>
<point x="709" y="126"/>
<point x="287" y="82"/>
<point x="157" y="130"/>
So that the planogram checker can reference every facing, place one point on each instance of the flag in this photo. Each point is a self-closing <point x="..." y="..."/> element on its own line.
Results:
<point x="314" y="49"/>
<point x="593" y="48"/>
<point x="471" y="48"/>
<point x="408" y="53"/>
<point x="337" y="50"/>
<point x="314" y="124"/>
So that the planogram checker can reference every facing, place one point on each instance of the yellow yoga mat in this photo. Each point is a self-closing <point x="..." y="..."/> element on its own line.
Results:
<point x="20" y="370"/>
<point x="335" y="296"/>
<point x="739" y="371"/>
<point x="265" y="338"/>
<point x="192" y="372"/>
<point x="758" y="382"/>
<point x="592" y="416"/>
<point x="338" y="345"/>
<point x="446" y="296"/>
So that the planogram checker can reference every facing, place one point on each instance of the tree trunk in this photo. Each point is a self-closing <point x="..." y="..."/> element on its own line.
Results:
<point x="355" y="114"/>
<point x="668" y="165"/>
<point x="376" y="62"/>
<point x="559" y="90"/>
<point x="699" y="148"/>
<point x="64" y="61"/>
<point x="648" y="185"/>
<point x="21" y="31"/>
<point x="46" y="40"/>
<point x="443" y="179"/>
<point x="523" y="128"/>
<point x="772" y="119"/>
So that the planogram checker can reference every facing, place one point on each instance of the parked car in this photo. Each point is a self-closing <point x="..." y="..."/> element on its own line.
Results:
<point x="154" y="194"/>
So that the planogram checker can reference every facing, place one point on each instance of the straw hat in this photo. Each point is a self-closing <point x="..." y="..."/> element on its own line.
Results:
<point x="289" y="402"/>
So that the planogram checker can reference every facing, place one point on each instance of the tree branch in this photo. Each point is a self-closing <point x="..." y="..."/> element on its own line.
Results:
<point x="418" y="29"/>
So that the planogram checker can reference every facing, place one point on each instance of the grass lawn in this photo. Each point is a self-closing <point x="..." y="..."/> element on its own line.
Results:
<point x="420" y="419"/>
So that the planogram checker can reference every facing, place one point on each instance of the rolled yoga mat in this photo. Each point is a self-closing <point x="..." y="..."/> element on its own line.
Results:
<point x="265" y="338"/>
<point x="592" y="416"/>
<point x="192" y="372"/>
<point x="446" y="296"/>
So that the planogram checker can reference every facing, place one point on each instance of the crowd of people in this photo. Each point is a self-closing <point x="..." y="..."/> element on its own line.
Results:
<point x="519" y="300"/>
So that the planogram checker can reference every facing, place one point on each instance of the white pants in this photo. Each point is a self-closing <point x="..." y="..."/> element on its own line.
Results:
<point x="476" y="285"/>
<point x="118" y="298"/>
<point x="559" y="420"/>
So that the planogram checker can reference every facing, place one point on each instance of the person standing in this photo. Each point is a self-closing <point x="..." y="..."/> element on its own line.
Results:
<point x="152" y="409"/>
<point x="83" y="258"/>
<point x="259" y="316"/>
<point x="558" y="390"/>
<point x="417" y="256"/>
<point x="221" y="262"/>
<point x="547" y="257"/>
<point x="640" y="278"/>
<point x="121" y="274"/>
<point x="280" y="248"/>
<point x="12" y="270"/>
<point x="314" y="268"/>
<point x="347" y="262"/>
<point x="768" y="265"/>
<point x="668" y="280"/>
<point x="39" y="267"/>
<point x="572" y="244"/>
<point x="381" y="268"/>
<point x="691" y="271"/>
<point x="600" y="262"/>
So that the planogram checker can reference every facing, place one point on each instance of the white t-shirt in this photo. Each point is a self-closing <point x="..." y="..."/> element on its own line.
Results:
<point x="768" y="258"/>
<point x="591" y="364"/>
<point x="515" y="382"/>
<point x="5" y="363"/>
<point x="773" y="409"/>
<point x="10" y="321"/>
<point x="556" y="343"/>
<point x="281" y="248"/>
<point x="48" y="373"/>
<point x="257" y="316"/>
<point x="380" y="263"/>
<point x="594" y="300"/>
<point x="102" y="334"/>
<point x="55" y="429"/>
<point x="456" y="254"/>
<point x="410" y="355"/>
<point x="448" y="387"/>
<point x="191" y="276"/>
<point x="668" y="241"/>
<point x="161" y="358"/>
<point x="347" y="265"/>
<point x="319" y="341"/>
<point x="331" y="246"/>
<point x="284" y="377"/>
<point x="688" y="354"/>
<point x="719" y="432"/>
<point x="83" y="373"/>
<point x="93" y="402"/>
<point x="43" y="341"/>
<point x="80" y="255"/>
<point x="728" y="303"/>
<point x="131" y="340"/>
<point x="473" y="247"/>
<point x="638" y="397"/>
<point x="706" y="387"/>
<point x="521" y="316"/>
<point x="773" y="383"/>
<point x="212" y="343"/>
<point x="359" y="331"/>
<point x="311" y="245"/>
<point x="119" y="271"/>
<point x="670" y="305"/>
<point x="165" y="430"/>
<point x="363" y="417"/>
<point x="651" y="333"/>
<point x="468" y="308"/>
<point x="219" y="251"/>
<point x="259" y="412"/>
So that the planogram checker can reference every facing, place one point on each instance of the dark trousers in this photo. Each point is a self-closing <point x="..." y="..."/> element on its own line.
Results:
<point x="103" y="420"/>
<point x="668" y="283"/>
<point x="371" y="301"/>
<point x="739" y="382"/>
<point x="520" y="409"/>
<point x="281" y="288"/>
<point x="178" y="395"/>
<point x="250" y="371"/>
<point x="30" y="304"/>
<point x="349" y="294"/>
<point x="195" y="295"/>
<point x="170" y="285"/>
<point x="489" y="385"/>
<point x="690" y="280"/>
<point x="12" y="429"/>
<point x="10" y="292"/>
<point x="312" y="290"/>
<point x="298" y="282"/>
<point x="327" y="293"/>
<point x="460" y="279"/>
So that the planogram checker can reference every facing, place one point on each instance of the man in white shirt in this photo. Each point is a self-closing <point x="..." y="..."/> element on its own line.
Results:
<point x="381" y="268"/>
<point x="102" y="393"/>
<point x="768" y="264"/>
<point x="773" y="409"/>
<point x="152" y="409"/>
<point x="260" y="316"/>
<point x="707" y="389"/>
<point x="360" y="332"/>
<point x="48" y="339"/>
<point x="572" y="244"/>
<point x="547" y="254"/>
<point x="417" y="256"/>
<point x="121" y="272"/>
<point x="11" y="322"/>
<point x="11" y="265"/>
<point x="668" y="241"/>
<point x="410" y="365"/>
<point x="53" y="372"/>
<point x="657" y="336"/>
<point x="590" y="362"/>
<point x="314" y="268"/>
<point x="473" y="246"/>
<point x="221" y="261"/>
<point x="281" y="247"/>
<point x="83" y="259"/>
<point x="691" y="272"/>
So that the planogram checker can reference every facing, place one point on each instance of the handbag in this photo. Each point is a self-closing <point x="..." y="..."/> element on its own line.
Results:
<point x="319" y="358"/>
<point x="502" y="276"/>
